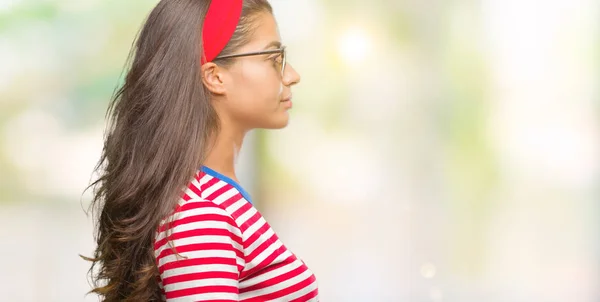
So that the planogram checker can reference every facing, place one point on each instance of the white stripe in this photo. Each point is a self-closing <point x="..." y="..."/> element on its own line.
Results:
<point x="244" y="217"/>
<point x="223" y="197"/>
<point x="263" y="238"/>
<point x="262" y="256"/>
<point x="279" y="259"/>
<point x="201" y="282"/>
<point x="193" y="182"/>
<point x="203" y="224"/>
<point x="211" y="209"/>
<point x="196" y="255"/>
<point x="206" y="192"/>
<point x="176" y="215"/>
<point x="277" y="287"/>
<point x="180" y="203"/>
<point x="189" y="193"/>
<point x="266" y="276"/>
<point x="259" y="223"/>
<point x="236" y="206"/>
<point x="199" y="269"/>
<point x="207" y="297"/>
<point x="260" y="240"/>
<point x="205" y="179"/>
<point x="307" y="289"/>
<point x="199" y="239"/>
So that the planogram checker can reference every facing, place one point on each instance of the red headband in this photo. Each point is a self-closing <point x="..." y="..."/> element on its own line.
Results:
<point x="219" y="25"/>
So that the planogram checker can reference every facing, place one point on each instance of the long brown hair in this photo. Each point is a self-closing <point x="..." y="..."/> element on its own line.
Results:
<point x="159" y="124"/>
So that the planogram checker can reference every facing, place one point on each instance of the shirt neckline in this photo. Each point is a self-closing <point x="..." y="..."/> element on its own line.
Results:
<point x="227" y="180"/>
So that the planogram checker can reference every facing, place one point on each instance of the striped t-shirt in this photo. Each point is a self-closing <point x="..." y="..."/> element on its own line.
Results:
<point x="226" y="251"/>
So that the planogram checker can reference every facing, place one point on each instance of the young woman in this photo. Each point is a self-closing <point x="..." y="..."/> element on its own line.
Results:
<point x="173" y="223"/>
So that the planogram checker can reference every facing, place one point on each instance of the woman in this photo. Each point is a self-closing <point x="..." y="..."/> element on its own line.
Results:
<point x="173" y="222"/>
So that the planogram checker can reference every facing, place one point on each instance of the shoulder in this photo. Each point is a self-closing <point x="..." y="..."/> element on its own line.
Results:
<point x="198" y="213"/>
<point x="197" y="225"/>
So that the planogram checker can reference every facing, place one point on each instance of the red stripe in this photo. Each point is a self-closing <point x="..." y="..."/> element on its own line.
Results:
<point x="275" y="280"/>
<point x="211" y="182"/>
<point x="261" y="248"/>
<point x="243" y="209"/>
<point x="263" y="229"/>
<point x="199" y="276"/>
<point x="198" y="205"/>
<point x="201" y="247"/>
<point x="201" y="290"/>
<point x="256" y="217"/>
<point x="272" y="267"/>
<point x="219" y="192"/>
<point x="267" y="260"/>
<point x="308" y="296"/>
<point x="288" y="290"/>
<point x="198" y="233"/>
<point x="227" y="266"/>
<point x="196" y="262"/>
<point x="198" y="218"/>
<point x="195" y="189"/>
<point x="233" y="199"/>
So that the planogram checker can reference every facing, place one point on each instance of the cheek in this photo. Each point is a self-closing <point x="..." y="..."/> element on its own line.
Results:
<point x="261" y="88"/>
<point x="257" y="97"/>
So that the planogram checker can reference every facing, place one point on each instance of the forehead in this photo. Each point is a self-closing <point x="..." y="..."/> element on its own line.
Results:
<point x="265" y="32"/>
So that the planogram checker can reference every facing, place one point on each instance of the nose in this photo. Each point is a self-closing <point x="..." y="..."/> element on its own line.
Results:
<point x="290" y="76"/>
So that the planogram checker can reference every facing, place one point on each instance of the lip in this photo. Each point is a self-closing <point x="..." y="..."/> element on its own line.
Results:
<point x="289" y="98"/>
<point x="287" y="102"/>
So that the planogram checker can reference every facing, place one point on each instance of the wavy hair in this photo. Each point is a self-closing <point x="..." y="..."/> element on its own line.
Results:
<point x="158" y="126"/>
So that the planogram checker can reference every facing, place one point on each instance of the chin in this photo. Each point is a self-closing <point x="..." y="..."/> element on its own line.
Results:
<point x="278" y="123"/>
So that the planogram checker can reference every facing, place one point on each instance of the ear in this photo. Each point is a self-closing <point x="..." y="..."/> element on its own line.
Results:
<point x="212" y="77"/>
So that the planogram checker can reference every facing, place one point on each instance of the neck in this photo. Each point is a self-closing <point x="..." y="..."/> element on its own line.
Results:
<point x="225" y="147"/>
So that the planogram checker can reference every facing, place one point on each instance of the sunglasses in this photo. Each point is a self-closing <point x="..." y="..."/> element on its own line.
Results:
<point x="280" y="51"/>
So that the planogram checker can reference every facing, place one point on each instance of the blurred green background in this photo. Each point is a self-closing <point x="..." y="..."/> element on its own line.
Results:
<point x="438" y="150"/>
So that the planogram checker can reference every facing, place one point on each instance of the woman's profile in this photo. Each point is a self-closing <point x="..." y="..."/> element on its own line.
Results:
<point x="172" y="222"/>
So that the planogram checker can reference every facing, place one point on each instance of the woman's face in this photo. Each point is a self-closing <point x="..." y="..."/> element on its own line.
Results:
<point x="257" y="94"/>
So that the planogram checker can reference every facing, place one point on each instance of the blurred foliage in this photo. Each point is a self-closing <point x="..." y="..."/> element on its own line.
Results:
<point x="72" y="62"/>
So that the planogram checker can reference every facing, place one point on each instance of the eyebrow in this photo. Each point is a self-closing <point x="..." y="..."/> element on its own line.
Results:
<point x="275" y="44"/>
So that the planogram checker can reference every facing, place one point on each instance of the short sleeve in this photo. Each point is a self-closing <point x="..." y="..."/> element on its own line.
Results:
<point x="199" y="254"/>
